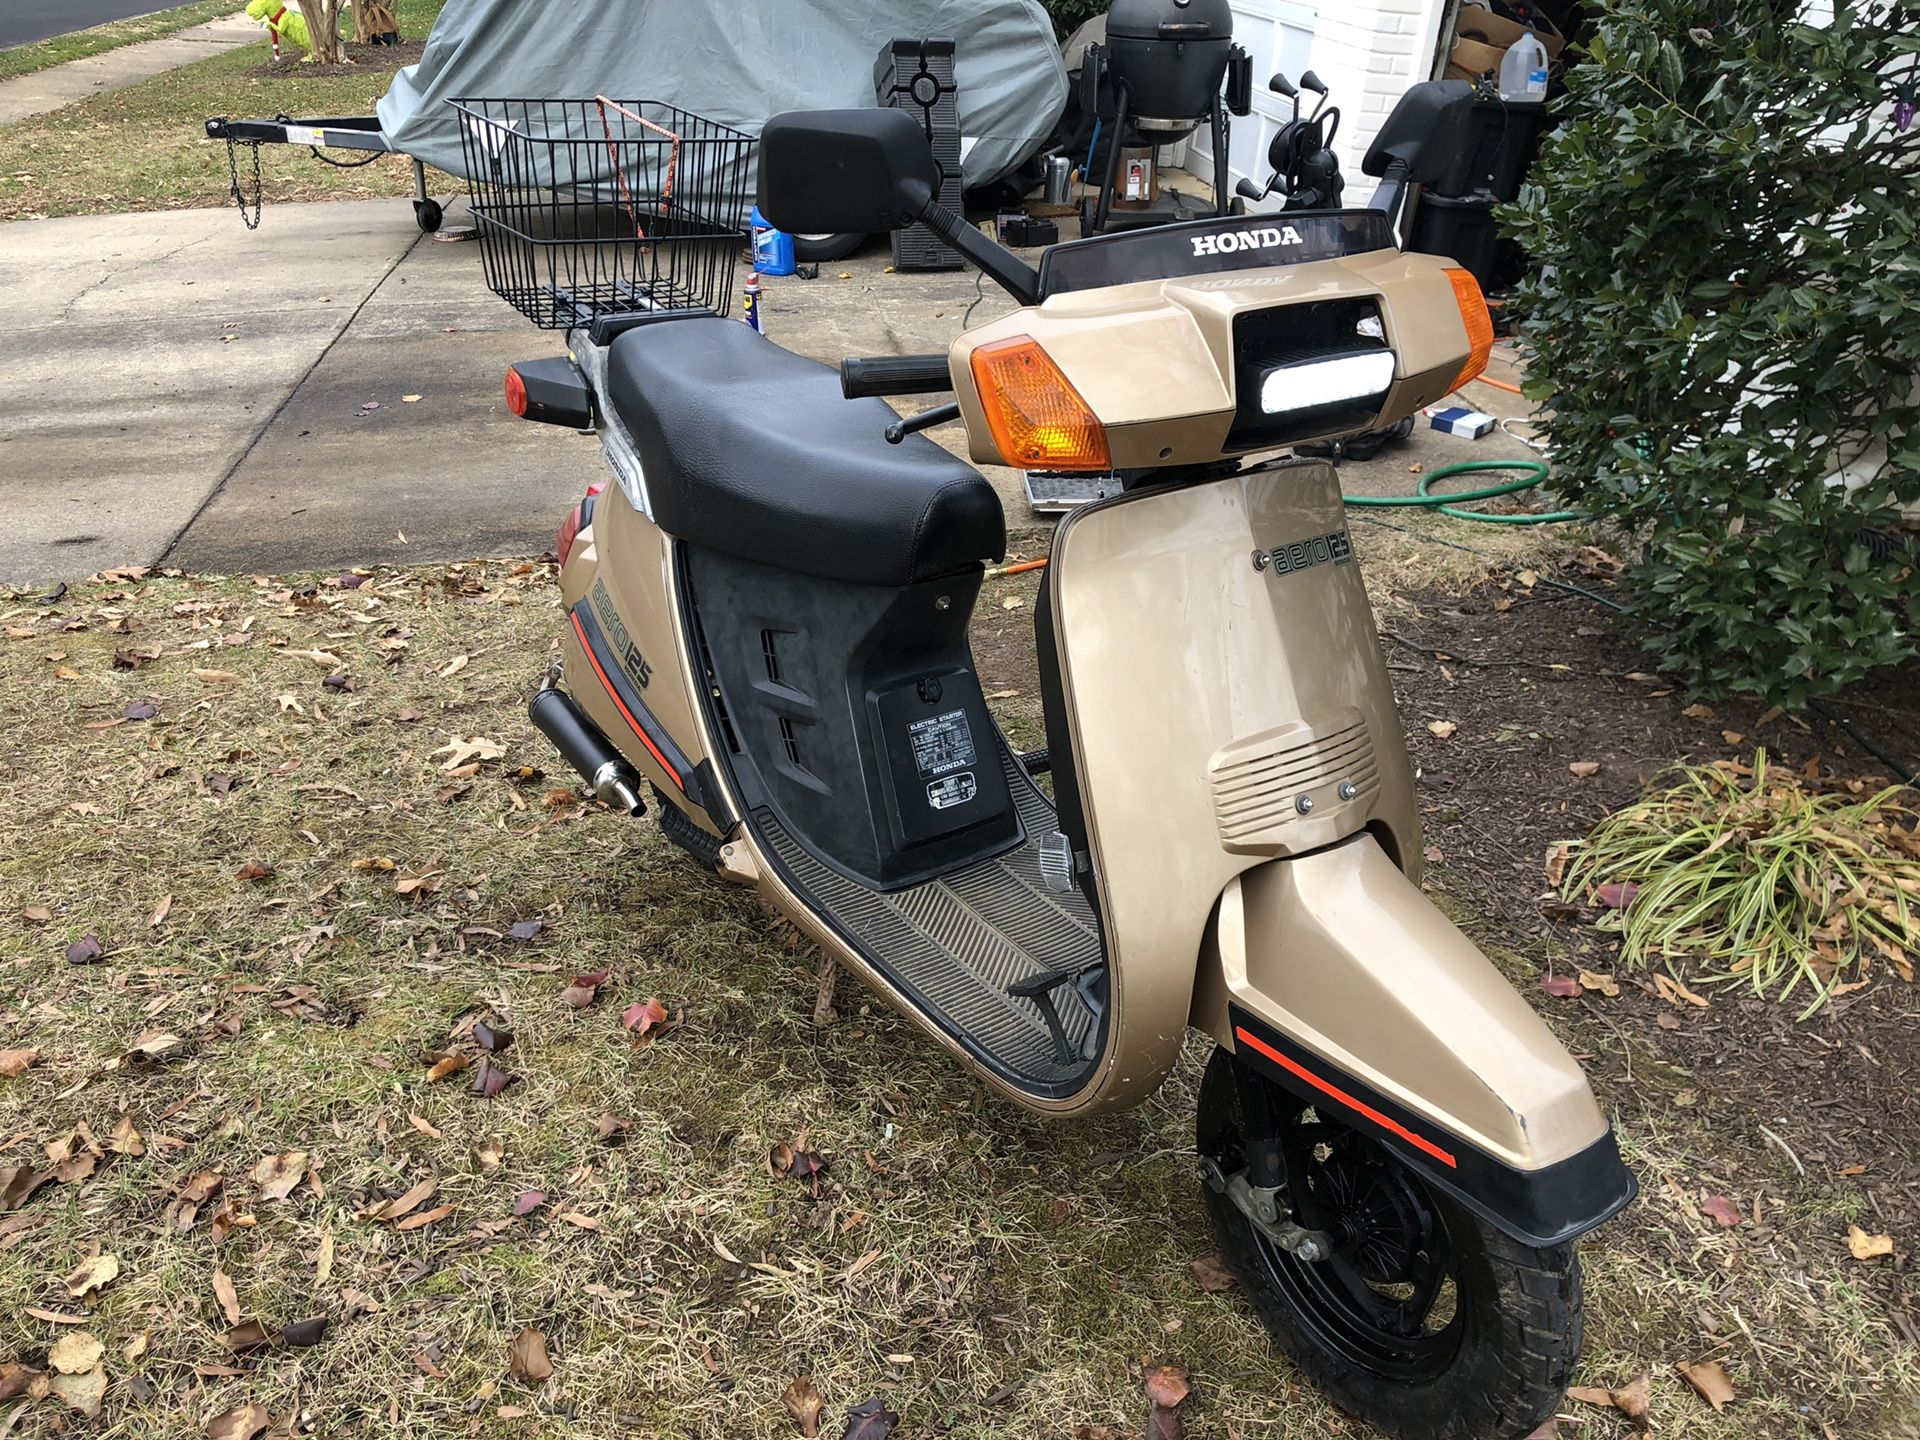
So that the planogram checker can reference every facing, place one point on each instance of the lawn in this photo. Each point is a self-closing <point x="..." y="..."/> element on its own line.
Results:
<point x="145" y="147"/>
<point x="78" y="44"/>
<point x="318" y="848"/>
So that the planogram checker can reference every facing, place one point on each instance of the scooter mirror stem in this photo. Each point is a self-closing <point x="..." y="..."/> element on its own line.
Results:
<point x="999" y="264"/>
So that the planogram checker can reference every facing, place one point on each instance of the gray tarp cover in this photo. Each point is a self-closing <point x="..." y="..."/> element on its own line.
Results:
<point x="736" y="63"/>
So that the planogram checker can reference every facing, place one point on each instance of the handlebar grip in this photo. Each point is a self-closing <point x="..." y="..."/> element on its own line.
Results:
<point x="864" y="376"/>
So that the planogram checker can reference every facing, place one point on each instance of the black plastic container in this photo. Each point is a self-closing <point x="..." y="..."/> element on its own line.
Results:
<point x="1499" y="150"/>
<point x="1463" y="229"/>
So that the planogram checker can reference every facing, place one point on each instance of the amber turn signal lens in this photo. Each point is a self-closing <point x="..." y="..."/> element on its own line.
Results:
<point x="1473" y="315"/>
<point x="1038" y="420"/>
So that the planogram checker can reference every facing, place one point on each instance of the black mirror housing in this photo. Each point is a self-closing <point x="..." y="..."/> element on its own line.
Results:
<point x="1424" y="131"/>
<point x="839" y="171"/>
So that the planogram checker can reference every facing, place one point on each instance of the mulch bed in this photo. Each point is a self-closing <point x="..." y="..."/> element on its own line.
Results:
<point x="1536" y="680"/>
<point x="363" y="60"/>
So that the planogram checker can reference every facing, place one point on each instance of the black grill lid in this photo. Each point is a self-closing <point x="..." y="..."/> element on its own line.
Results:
<point x="1142" y="19"/>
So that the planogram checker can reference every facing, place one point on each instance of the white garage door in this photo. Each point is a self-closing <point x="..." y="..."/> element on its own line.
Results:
<point x="1278" y="34"/>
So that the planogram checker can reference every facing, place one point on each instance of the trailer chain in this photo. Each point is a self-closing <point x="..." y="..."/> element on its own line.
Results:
<point x="233" y="171"/>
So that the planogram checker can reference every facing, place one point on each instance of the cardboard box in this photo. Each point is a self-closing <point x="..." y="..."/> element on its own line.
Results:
<point x="1481" y="38"/>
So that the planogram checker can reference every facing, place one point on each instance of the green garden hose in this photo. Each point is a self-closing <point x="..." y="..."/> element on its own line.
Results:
<point x="1425" y="499"/>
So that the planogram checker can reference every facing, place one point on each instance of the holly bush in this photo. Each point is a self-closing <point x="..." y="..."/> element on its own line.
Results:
<point x="1726" y="308"/>
<point x="1069" y="14"/>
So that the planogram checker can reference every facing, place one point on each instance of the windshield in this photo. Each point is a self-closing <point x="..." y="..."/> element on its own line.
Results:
<point x="1210" y="247"/>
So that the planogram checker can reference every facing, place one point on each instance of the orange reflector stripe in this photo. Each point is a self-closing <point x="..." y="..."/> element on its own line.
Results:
<point x="1328" y="1088"/>
<point x="1479" y="323"/>
<point x="1038" y="420"/>
<point x="614" y="695"/>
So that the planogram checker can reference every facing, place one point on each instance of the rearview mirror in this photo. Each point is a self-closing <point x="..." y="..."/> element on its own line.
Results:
<point x="829" y="172"/>
<point x="1424" y="132"/>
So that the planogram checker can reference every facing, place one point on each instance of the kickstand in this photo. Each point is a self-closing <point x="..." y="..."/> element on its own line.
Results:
<point x="829" y="974"/>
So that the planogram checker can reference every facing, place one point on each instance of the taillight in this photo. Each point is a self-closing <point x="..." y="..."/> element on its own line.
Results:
<point x="1038" y="420"/>
<point x="1473" y="315"/>
<point x="578" y="518"/>
<point x="517" y="395"/>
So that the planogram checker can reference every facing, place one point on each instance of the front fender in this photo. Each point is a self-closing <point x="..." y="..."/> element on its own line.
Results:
<point x="1331" y="973"/>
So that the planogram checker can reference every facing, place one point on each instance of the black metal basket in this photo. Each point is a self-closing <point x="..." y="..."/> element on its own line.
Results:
<point x="591" y="207"/>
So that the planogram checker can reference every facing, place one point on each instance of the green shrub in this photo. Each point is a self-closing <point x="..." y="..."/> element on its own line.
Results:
<point x="1729" y="213"/>
<point x="1068" y="15"/>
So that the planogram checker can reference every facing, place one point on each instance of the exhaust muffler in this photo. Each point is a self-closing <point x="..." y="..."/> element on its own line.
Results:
<point x="587" y="750"/>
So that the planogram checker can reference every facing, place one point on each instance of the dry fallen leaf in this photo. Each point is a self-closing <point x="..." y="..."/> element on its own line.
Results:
<point x="803" y="1404"/>
<point x="1868" y="1247"/>
<point x="1712" y="1383"/>
<point x="91" y="1275"/>
<point x="15" y="1062"/>
<point x="1585" y="769"/>
<point x="1601" y="981"/>
<point x="276" y="1175"/>
<point x="1722" y="1211"/>
<point x="75" y="1353"/>
<point x="243" y="1422"/>
<point x="1563" y="987"/>
<point x="406" y="1204"/>
<point x="1442" y="729"/>
<point x="527" y="1357"/>
<point x="1212" y="1273"/>
<point x="82" y="1392"/>
<point x="1630" y="1401"/>
<point x="228" y="1297"/>
<point x="425" y="1218"/>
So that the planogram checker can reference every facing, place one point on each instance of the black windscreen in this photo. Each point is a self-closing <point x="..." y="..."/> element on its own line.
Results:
<point x="1211" y="247"/>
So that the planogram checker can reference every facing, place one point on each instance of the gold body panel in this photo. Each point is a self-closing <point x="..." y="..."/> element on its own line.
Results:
<point x="1154" y="360"/>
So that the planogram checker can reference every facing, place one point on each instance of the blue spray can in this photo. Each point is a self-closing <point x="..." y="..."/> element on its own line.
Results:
<point x="750" y="306"/>
<point x="772" y="249"/>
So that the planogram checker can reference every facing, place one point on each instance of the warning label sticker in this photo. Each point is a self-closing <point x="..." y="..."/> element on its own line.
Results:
<point x="952" y="791"/>
<point x="942" y="744"/>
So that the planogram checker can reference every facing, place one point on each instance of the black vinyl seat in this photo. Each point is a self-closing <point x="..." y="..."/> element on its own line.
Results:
<point x="752" y="451"/>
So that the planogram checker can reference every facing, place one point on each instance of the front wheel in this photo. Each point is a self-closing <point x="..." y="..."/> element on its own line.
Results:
<point x="1424" y="1321"/>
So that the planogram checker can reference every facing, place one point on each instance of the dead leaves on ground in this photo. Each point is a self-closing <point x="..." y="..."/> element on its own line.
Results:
<point x="1632" y="1401"/>
<point x="793" y="1159"/>
<point x="1709" y="1380"/>
<point x="803" y="1404"/>
<point x="1864" y="1246"/>
<point x="527" y="1357"/>
<point x="1167" y="1389"/>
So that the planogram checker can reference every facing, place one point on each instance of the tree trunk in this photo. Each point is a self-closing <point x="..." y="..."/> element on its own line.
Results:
<point x="323" y="28"/>
<point x="373" y="19"/>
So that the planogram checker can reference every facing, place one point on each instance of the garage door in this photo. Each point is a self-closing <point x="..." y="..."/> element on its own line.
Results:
<point x="1278" y="34"/>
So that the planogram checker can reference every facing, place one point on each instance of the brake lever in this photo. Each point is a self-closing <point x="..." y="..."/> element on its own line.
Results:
<point x="926" y="420"/>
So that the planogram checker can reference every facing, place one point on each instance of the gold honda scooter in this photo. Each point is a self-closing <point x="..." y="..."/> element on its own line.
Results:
<point x="767" y="622"/>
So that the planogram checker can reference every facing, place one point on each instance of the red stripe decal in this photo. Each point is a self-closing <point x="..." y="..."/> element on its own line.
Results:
<point x="1327" y="1087"/>
<point x="614" y="695"/>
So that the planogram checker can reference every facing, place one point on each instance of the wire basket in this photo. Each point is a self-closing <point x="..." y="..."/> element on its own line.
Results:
<point x="594" y="207"/>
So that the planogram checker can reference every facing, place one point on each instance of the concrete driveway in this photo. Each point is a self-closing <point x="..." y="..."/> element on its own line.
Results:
<point x="182" y="391"/>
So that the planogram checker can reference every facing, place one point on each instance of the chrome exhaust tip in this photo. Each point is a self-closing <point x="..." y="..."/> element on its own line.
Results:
<point x="585" y="748"/>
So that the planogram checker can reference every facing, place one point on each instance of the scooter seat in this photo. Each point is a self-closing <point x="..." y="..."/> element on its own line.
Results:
<point x="752" y="451"/>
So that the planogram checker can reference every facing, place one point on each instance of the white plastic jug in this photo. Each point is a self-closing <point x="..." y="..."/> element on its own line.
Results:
<point x="1523" y="71"/>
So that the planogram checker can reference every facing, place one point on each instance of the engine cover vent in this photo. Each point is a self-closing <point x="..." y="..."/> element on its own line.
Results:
<point x="1269" y="788"/>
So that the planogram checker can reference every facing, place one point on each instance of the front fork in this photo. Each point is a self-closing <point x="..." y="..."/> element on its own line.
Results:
<point x="1258" y="1191"/>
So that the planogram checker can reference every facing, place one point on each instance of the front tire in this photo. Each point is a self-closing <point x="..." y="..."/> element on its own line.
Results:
<point x="1426" y="1322"/>
<point x="812" y="249"/>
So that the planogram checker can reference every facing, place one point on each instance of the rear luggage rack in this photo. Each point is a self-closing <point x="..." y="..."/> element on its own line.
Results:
<point x="599" y="207"/>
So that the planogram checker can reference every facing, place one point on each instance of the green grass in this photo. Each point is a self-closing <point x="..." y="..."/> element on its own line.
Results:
<point x="1028" y="1264"/>
<point x="145" y="148"/>
<point x="77" y="45"/>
